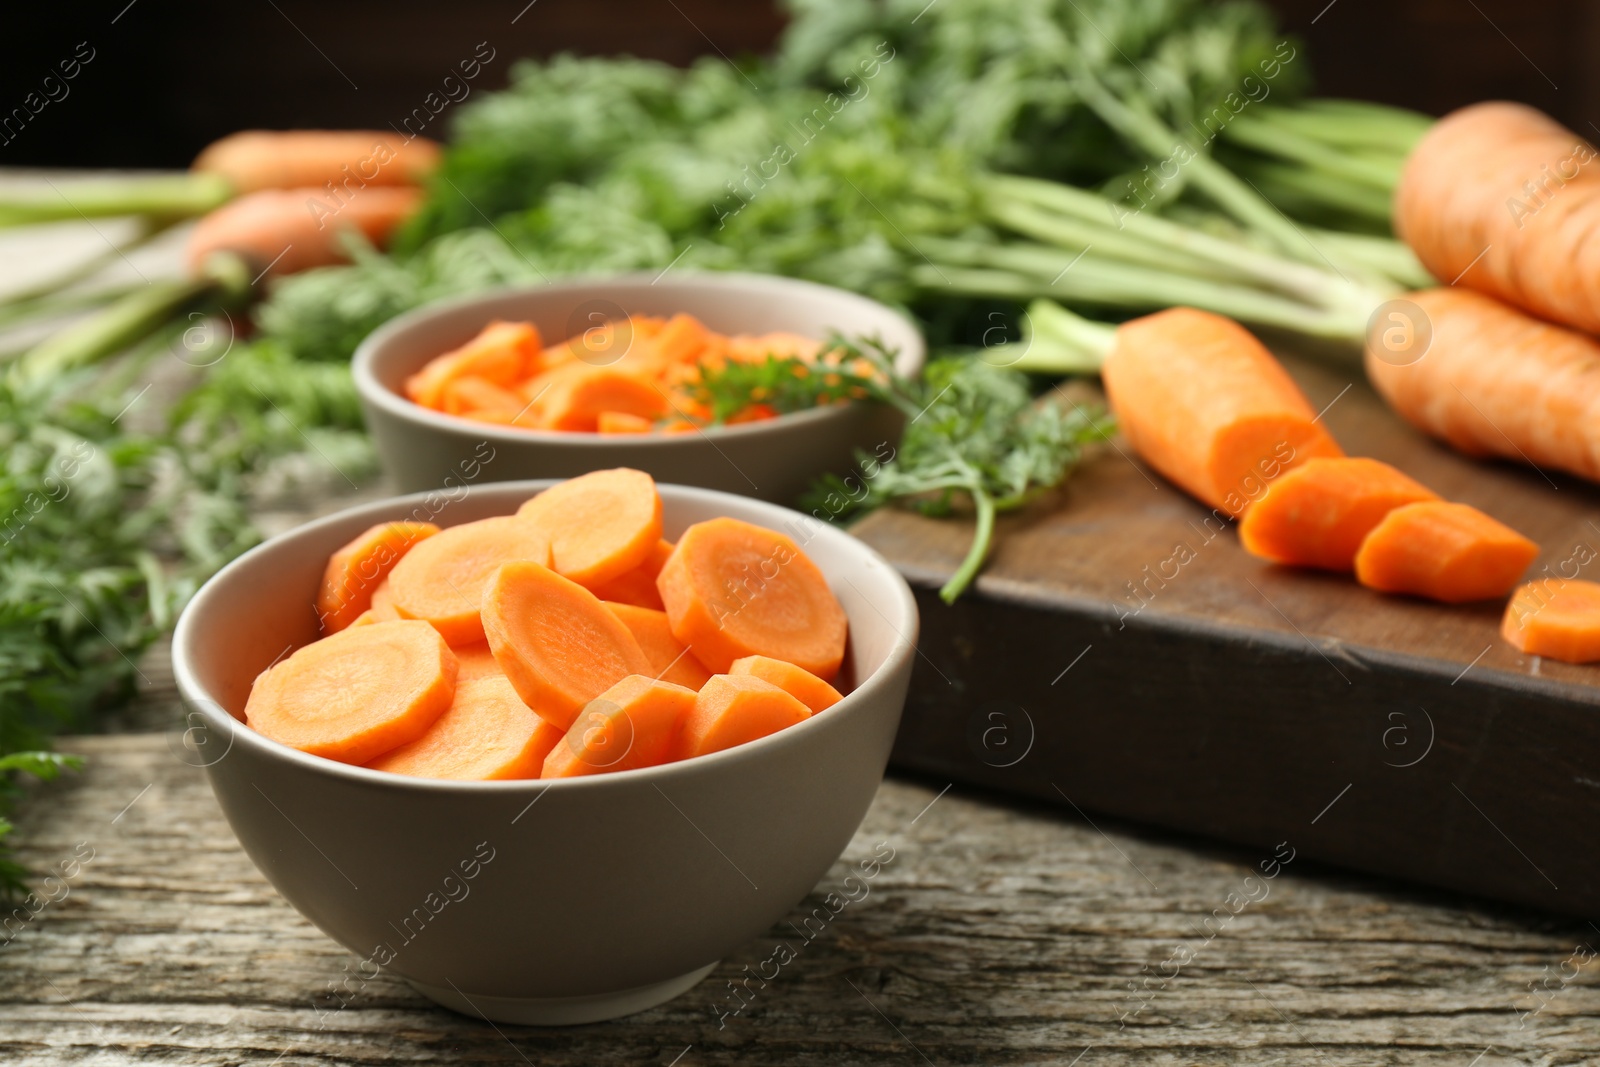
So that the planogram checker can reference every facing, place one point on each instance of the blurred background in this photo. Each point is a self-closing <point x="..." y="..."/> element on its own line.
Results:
<point x="158" y="79"/>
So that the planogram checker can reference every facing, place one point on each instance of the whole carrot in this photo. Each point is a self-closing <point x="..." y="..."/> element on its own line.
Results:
<point x="289" y="230"/>
<point x="294" y="159"/>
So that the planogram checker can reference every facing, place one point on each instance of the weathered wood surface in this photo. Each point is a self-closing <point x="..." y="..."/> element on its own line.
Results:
<point x="998" y="934"/>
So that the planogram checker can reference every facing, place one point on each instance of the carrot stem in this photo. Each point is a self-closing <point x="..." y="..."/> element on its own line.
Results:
<point x="165" y="196"/>
<point x="978" y="551"/>
<point x="1288" y="143"/>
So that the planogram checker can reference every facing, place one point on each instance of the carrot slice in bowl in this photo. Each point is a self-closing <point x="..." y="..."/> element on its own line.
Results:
<point x="600" y="525"/>
<point x="635" y="723"/>
<point x="356" y="694"/>
<point x="804" y="686"/>
<point x="442" y="580"/>
<point x="735" y="709"/>
<point x="670" y="660"/>
<point x="638" y="586"/>
<point x="355" y="570"/>
<point x="487" y="734"/>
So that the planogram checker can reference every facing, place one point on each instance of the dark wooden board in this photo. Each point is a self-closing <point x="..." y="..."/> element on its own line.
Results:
<point x="1242" y="699"/>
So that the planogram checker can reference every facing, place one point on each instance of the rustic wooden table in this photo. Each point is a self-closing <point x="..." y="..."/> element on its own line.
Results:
<point x="1001" y="933"/>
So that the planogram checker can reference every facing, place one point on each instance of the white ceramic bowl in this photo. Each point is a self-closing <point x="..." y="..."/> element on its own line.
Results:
<point x="775" y="459"/>
<point x="543" y="902"/>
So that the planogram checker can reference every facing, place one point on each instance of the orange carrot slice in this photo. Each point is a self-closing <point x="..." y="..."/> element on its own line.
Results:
<point x="1317" y="514"/>
<point x="681" y="339"/>
<point x="1449" y="552"/>
<point x="575" y="395"/>
<point x="600" y="525"/>
<point x="732" y="590"/>
<point x="557" y="643"/>
<point x="635" y="723"/>
<point x="502" y="354"/>
<point x="355" y="570"/>
<point x="734" y="709"/>
<point x="366" y="618"/>
<point x="622" y="422"/>
<point x="671" y="661"/>
<point x="1558" y="618"/>
<point x="442" y="579"/>
<point x="382" y="607"/>
<point x="356" y="694"/>
<point x="804" y="686"/>
<point x="638" y="586"/>
<point x="477" y="661"/>
<point x="487" y="734"/>
<point x="470" y="393"/>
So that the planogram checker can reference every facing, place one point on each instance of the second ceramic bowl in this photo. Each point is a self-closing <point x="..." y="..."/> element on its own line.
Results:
<point x="775" y="459"/>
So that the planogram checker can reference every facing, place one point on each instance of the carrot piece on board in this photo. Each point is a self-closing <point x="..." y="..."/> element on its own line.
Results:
<point x="557" y="643"/>
<point x="1449" y="552"/>
<point x="600" y="525"/>
<point x="274" y="231"/>
<point x="299" y="159"/>
<point x="638" y="586"/>
<point x="732" y="590"/>
<point x="733" y="709"/>
<point x="382" y="608"/>
<point x="1206" y="405"/>
<point x="635" y="723"/>
<point x="442" y="580"/>
<point x="488" y="733"/>
<point x="476" y="661"/>
<point x="804" y="686"/>
<point x="356" y="694"/>
<point x="670" y="660"/>
<point x="622" y="422"/>
<point x="1317" y="514"/>
<point x="355" y="570"/>
<point x="1558" y="618"/>
<point x="573" y="397"/>
<point x="501" y="354"/>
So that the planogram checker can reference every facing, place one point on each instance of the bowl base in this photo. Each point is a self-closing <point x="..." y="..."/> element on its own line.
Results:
<point x="562" y="1011"/>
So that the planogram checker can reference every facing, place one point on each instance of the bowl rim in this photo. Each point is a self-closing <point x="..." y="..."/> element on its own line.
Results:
<point x="197" y="699"/>
<point x="908" y="361"/>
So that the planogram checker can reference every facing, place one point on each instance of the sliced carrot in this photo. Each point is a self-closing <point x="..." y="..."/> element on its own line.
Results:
<point x="502" y="353"/>
<point x="1449" y="552"/>
<point x="1204" y="403"/>
<point x="600" y="525"/>
<point x="487" y="734"/>
<point x="732" y="590"/>
<point x="557" y="643"/>
<point x="470" y="393"/>
<point x="355" y="570"/>
<point x="681" y="339"/>
<point x="575" y="395"/>
<point x="733" y="709"/>
<point x="382" y="609"/>
<point x="635" y="723"/>
<point x="638" y="586"/>
<point x="477" y="661"/>
<point x="356" y="694"/>
<point x="1317" y="514"/>
<point x="366" y="618"/>
<point x="622" y="422"/>
<point x="670" y="660"/>
<point x="1558" y="618"/>
<point x="442" y="579"/>
<point x="804" y="686"/>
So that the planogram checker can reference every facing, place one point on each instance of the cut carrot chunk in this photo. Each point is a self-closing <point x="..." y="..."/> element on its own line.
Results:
<point x="732" y="590"/>
<point x="442" y="579"/>
<point x="622" y="422"/>
<point x="356" y="694"/>
<point x="487" y="734"/>
<point x="1449" y="552"/>
<point x="502" y="353"/>
<point x="804" y="686"/>
<point x="635" y="723"/>
<point x="638" y="586"/>
<point x="574" y="396"/>
<point x="366" y="618"/>
<point x="472" y="394"/>
<point x="670" y="660"/>
<point x="681" y="339"/>
<point x="600" y="525"/>
<point x="1317" y="514"/>
<point x="557" y="643"/>
<point x="733" y="709"/>
<point x="477" y="661"/>
<point x="355" y="570"/>
<point x="1558" y="618"/>
<point x="382" y="607"/>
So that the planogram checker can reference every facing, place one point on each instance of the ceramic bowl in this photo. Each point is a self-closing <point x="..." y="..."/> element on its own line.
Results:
<point x="775" y="459"/>
<point x="540" y="902"/>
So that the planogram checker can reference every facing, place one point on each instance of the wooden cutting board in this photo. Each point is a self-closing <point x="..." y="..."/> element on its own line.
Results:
<point x="1122" y="655"/>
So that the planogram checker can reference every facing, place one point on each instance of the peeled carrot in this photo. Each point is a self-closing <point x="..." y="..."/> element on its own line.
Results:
<point x="1317" y="514"/>
<point x="1501" y="198"/>
<point x="1205" y="404"/>
<point x="573" y="397"/>
<point x="638" y="586"/>
<point x="1495" y="381"/>
<point x="500" y="354"/>
<point x="600" y="525"/>
<point x="1558" y="618"/>
<point x="559" y="646"/>
<point x="1449" y="552"/>
<point x="488" y="733"/>
<point x="355" y="570"/>
<point x="622" y="422"/>
<point x="282" y="231"/>
<point x="804" y="686"/>
<point x="476" y="661"/>
<point x="734" y="709"/>
<point x="382" y="604"/>
<point x="669" y="659"/>
<point x="732" y="590"/>
<point x="442" y="580"/>
<point x="294" y="159"/>
<point x="636" y="723"/>
<point x="356" y="694"/>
